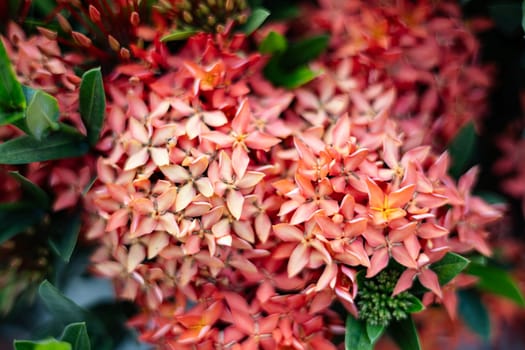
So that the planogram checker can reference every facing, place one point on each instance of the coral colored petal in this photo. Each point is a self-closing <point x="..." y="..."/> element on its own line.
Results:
<point x="117" y="219"/>
<point x="225" y="167"/>
<point x="265" y="292"/>
<point x="328" y="275"/>
<point x="193" y="127"/>
<point x="430" y="230"/>
<point x="244" y="230"/>
<point x="240" y="161"/>
<point x="429" y="279"/>
<point x="378" y="262"/>
<point x="175" y="173"/>
<point x="399" y="234"/>
<point x="288" y="233"/>
<point x="242" y="117"/>
<point x="156" y="243"/>
<point x="401" y="197"/>
<point x="376" y="196"/>
<point x="220" y="139"/>
<point x="405" y="281"/>
<point x="137" y="159"/>
<point x="347" y="206"/>
<point x="250" y="179"/>
<point x="402" y="256"/>
<point x="303" y="213"/>
<point x="168" y="223"/>
<point x="261" y="141"/>
<point x="204" y="186"/>
<point x="235" y="202"/>
<point x="142" y="206"/>
<point x="298" y="259"/>
<point x="214" y="118"/>
<point x="185" y="196"/>
<point x="136" y="255"/>
<point x="166" y="199"/>
<point x="138" y="131"/>
<point x="263" y="226"/>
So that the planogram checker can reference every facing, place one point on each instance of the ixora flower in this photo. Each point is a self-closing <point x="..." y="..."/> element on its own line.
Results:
<point x="231" y="234"/>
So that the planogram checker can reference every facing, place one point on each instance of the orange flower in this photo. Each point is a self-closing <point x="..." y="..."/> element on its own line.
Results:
<point x="387" y="207"/>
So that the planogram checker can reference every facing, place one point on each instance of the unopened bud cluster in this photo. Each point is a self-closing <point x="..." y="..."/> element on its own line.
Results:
<point x="375" y="302"/>
<point x="208" y="15"/>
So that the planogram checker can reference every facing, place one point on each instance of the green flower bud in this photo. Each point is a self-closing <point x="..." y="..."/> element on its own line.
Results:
<point x="375" y="302"/>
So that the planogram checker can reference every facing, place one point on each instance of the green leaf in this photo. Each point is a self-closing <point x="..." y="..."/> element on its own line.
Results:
<point x="10" y="117"/>
<point x="290" y="79"/>
<point x="41" y="113"/>
<point x="273" y="43"/>
<point x="63" y="309"/>
<point x="374" y="332"/>
<point x="76" y="335"/>
<point x="27" y="149"/>
<point x="461" y="149"/>
<point x="256" y="19"/>
<point x="31" y="190"/>
<point x="474" y="313"/>
<point x="356" y="337"/>
<point x="50" y="344"/>
<point x="16" y="218"/>
<point x="304" y="51"/>
<point x="66" y="227"/>
<point x="11" y="95"/>
<point x="92" y="103"/>
<point x="404" y="333"/>
<point x="415" y="304"/>
<point x="178" y="35"/>
<point x="497" y="281"/>
<point x="449" y="267"/>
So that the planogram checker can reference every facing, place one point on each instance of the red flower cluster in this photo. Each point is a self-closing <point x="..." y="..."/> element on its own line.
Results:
<point x="235" y="213"/>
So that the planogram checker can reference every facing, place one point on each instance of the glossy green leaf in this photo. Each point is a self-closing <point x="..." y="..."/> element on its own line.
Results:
<point x="290" y="79"/>
<point x="178" y="35"/>
<point x="304" y="51"/>
<point x="404" y="333"/>
<point x="11" y="95"/>
<point x="449" y="267"/>
<point x="27" y="149"/>
<point x="497" y="281"/>
<point x="65" y="227"/>
<point x="41" y="114"/>
<point x="256" y="19"/>
<point x="92" y="103"/>
<point x="474" y="313"/>
<point x="63" y="309"/>
<point x="16" y="218"/>
<point x="31" y="190"/>
<point x="76" y="335"/>
<point x="356" y="337"/>
<point x="374" y="332"/>
<point x="50" y="344"/>
<point x="415" y="304"/>
<point x="461" y="149"/>
<point x="273" y="43"/>
<point x="10" y="117"/>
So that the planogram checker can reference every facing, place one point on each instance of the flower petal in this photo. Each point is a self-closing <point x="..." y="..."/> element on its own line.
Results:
<point x="298" y="259"/>
<point x="235" y="202"/>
